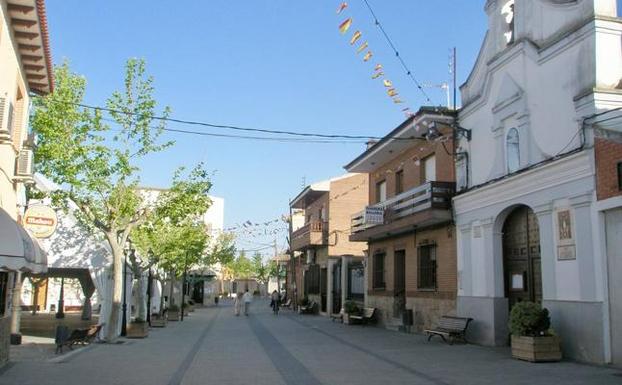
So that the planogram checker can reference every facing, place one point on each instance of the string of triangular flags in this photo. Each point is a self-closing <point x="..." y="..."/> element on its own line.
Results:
<point x="362" y="47"/>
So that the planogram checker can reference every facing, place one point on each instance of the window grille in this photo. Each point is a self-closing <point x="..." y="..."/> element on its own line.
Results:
<point x="378" y="281"/>
<point x="426" y="267"/>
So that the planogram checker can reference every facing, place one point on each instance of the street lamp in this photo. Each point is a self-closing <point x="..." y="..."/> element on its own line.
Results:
<point x="127" y="249"/>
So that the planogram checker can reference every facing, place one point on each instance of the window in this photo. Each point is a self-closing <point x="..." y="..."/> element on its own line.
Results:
<point x="356" y="281"/>
<point x="312" y="279"/>
<point x="399" y="182"/>
<point x="620" y="176"/>
<point x="428" y="169"/>
<point x="378" y="278"/>
<point x="507" y="11"/>
<point x="426" y="267"/>
<point x="381" y="191"/>
<point x="513" y="150"/>
<point x="4" y="290"/>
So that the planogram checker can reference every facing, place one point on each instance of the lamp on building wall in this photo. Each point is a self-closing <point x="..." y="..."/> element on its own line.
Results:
<point x="434" y="133"/>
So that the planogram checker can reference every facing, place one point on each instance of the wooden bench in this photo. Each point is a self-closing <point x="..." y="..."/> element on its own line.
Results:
<point x="309" y="308"/>
<point x="77" y="336"/>
<point x="450" y="328"/>
<point x="365" y="317"/>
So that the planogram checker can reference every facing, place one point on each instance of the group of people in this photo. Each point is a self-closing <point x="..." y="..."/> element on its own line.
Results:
<point x="240" y="298"/>
<point x="247" y="298"/>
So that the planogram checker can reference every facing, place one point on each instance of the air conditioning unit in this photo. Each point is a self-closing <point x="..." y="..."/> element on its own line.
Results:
<point x="24" y="167"/>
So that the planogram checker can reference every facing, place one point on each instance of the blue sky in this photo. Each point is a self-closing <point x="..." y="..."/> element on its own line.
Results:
<point x="272" y="64"/>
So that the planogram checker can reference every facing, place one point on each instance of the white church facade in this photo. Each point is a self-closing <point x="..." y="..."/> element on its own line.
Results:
<point x="529" y="226"/>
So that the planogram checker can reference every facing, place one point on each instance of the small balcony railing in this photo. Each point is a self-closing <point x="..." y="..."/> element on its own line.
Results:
<point x="312" y="234"/>
<point x="431" y="195"/>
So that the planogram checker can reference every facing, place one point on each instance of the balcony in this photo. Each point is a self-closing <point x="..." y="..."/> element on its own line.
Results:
<point x="423" y="206"/>
<point x="311" y="234"/>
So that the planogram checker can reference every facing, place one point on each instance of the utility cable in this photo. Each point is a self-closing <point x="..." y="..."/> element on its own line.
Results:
<point x="397" y="54"/>
<point x="236" y="128"/>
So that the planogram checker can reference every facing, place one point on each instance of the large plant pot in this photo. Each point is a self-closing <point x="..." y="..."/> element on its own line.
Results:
<point x="346" y="319"/>
<point x="137" y="330"/>
<point x="536" y="349"/>
<point x="158" y="322"/>
<point x="173" y="315"/>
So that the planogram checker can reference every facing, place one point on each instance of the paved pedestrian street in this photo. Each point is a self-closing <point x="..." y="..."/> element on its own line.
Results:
<point x="212" y="346"/>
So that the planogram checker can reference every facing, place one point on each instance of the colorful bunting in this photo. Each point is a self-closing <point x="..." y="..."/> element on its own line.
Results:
<point x="345" y="26"/>
<point x="362" y="48"/>
<point x="357" y="35"/>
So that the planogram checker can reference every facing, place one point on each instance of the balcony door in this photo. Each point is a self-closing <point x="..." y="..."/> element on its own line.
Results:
<point x="399" y="264"/>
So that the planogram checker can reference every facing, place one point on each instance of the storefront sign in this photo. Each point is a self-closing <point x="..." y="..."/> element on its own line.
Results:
<point x="565" y="253"/>
<point x="40" y="220"/>
<point x="374" y="216"/>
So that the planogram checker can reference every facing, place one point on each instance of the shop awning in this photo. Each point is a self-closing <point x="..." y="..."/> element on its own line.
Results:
<point x="19" y="250"/>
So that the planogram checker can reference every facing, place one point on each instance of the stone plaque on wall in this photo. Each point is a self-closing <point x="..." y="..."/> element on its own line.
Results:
<point x="566" y="249"/>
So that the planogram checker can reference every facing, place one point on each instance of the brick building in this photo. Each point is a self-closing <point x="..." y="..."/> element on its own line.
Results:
<point x="328" y="267"/>
<point x="408" y="226"/>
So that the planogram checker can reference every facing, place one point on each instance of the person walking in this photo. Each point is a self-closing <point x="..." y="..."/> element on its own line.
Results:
<point x="275" y="301"/>
<point x="237" y="304"/>
<point x="248" y="298"/>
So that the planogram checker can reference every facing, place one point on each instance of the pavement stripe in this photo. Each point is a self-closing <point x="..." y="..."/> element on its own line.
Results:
<point x="376" y="355"/>
<point x="179" y="374"/>
<point x="291" y="370"/>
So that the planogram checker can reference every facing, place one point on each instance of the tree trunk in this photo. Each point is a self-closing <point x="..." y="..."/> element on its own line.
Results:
<point x="161" y="297"/>
<point x="170" y="296"/>
<point x="117" y="290"/>
<point x="142" y="294"/>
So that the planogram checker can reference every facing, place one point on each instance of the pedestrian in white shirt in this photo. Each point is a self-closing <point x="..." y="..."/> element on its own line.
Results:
<point x="237" y="304"/>
<point x="248" y="298"/>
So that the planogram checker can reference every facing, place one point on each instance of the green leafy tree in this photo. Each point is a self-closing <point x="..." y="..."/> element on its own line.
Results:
<point x="172" y="235"/>
<point x="241" y="267"/>
<point x="260" y="269"/>
<point x="96" y="165"/>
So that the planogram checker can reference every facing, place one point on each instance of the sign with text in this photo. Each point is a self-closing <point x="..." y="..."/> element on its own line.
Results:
<point x="40" y="220"/>
<point x="374" y="216"/>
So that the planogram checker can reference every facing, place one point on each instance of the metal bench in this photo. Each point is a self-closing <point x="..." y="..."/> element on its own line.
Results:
<point x="450" y="328"/>
<point x="365" y="317"/>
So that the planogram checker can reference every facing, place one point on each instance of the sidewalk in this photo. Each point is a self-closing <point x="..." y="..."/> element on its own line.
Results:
<point x="212" y="346"/>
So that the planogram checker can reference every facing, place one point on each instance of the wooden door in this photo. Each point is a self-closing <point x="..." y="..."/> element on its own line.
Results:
<point x="323" y="287"/>
<point x="521" y="256"/>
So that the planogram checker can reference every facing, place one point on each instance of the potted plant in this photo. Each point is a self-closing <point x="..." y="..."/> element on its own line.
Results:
<point x="158" y="320"/>
<point x="138" y="328"/>
<point x="532" y="338"/>
<point x="173" y="313"/>
<point x="304" y="302"/>
<point x="349" y="308"/>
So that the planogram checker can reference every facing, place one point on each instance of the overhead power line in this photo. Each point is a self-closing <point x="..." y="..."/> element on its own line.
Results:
<point x="312" y="135"/>
<point x="409" y="73"/>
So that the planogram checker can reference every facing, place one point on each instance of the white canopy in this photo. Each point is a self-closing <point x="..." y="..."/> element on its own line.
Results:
<point x="19" y="250"/>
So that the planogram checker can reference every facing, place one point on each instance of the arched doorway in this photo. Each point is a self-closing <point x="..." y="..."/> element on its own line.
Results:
<point x="521" y="256"/>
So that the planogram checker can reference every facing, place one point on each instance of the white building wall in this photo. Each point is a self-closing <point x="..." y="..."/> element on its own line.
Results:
<point x="556" y="73"/>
